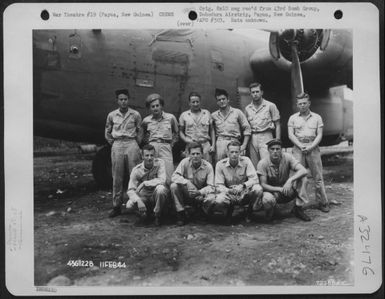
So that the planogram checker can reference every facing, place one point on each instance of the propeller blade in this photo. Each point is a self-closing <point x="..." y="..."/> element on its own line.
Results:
<point x="296" y="73"/>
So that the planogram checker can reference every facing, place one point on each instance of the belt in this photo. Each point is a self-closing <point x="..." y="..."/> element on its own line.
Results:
<point x="161" y="141"/>
<point x="305" y="139"/>
<point x="227" y="138"/>
<point x="125" y="139"/>
<point x="201" y="141"/>
<point x="266" y="131"/>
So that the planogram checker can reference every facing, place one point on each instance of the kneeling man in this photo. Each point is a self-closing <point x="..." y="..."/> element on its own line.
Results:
<point x="192" y="180"/>
<point x="236" y="181"/>
<point x="278" y="186"/>
<point x="146" y="189"/>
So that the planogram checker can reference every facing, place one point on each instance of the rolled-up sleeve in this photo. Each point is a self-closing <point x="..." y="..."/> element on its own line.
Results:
<point x="274" y="112"/>
<point x="108" y="129"/>
<point x="220" y="178"/>
<point x="246" y="129"/>
<point x="251" y="174"/>
<point x="133" y="183"/>
<point x="177" y="177"/>
<point x="209" y="181"/>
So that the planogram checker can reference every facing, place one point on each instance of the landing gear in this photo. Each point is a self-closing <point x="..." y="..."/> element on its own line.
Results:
<point x="101" y="168"/>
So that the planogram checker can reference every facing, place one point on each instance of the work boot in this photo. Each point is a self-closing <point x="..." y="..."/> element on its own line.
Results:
<point x="180" y="218"/>
<point x="324" y="207"/>
<point x="299" y="213"/>
<point x="335" y="202"/>
<point x="229" y="215"/>
<point x="269" y="214"/>
<point x="157" y="220"/>
<point x="116" y="211"/>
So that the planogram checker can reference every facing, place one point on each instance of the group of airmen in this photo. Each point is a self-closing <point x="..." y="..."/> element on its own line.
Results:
<point x="269" y="177"/>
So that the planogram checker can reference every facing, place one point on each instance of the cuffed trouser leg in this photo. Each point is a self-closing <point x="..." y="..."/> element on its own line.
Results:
<point x="300" y="191"/>
<point x="154" y="199"/>
<point x="314" y="162"/>
<point x="179" y="194"/>
<point x="124" y="156"/>
<point x="258" y="148"/>
<point x="164" y="152"/>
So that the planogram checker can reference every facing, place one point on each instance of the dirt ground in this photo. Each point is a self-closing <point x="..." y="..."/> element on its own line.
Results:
<point x="71" y="223"/>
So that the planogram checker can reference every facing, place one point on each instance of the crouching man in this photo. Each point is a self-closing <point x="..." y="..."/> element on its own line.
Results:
<point x="146" y="190"/>
<point x="192" y="180"/>
<point x="278" y="186"/>
<point x="236" y="182"/>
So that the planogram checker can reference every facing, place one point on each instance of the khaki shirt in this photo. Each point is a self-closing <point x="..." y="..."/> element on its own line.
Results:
<point x="165" y="128"/>
<point x="154" y="176"/>
<point x="277" y="175"/>
<point x="227" y="176"/>
<point x="233" y="125"/>
<point x="305" y="127"/>
<point x="119" y="126"/>
<point x="196" y="129"/>
<point x="263" y="117"/>
<point x="202" y="178"/>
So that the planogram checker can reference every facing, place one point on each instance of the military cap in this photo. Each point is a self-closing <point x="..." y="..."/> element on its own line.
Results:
<point x="219" y="92"/>
<point x="122" y="91"/>
<point x="302" y="95"/>
<point x="274" y="141"/>
<point x="152" y="97"/>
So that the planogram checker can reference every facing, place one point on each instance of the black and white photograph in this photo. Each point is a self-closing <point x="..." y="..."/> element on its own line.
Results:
<point x="202" y="159"/>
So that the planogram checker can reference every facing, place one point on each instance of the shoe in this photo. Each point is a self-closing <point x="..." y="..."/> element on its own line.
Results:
<point x="157" y="221"/>
<point x="324" y="207"/>
<point x="269" y="214"/>
<point x="335" y="202"/>
<point x="299" y="213"/>
<point x="180" y="218"/>
<point x="229" y="215"/>
<point x="116" y="211"/>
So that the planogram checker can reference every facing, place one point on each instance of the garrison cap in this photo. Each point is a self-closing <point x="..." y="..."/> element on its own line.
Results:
<point x="219" y="92"/>
<point x="302" y="95"/>
<point x="274" y="141"/>
<point x="152" y="97"/>
<point x="122" y="91"/>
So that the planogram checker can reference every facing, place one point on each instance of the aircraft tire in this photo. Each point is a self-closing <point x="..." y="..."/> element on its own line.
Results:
<point x="101" y="168"/>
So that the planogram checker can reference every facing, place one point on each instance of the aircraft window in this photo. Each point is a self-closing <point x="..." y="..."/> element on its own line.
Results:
<point x="75" y="46"/>
<point x="217" y="60"/>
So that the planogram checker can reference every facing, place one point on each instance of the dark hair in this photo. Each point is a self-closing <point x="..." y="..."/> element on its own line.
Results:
<point x="161" y="101"/>
<point x="122" y="91"/>
<point x="255" y="84"/>
<point x="234" y="143"/>
<point x="192" y="145"/>
<point x="148" y="147"/>
<point x="219" y="92"/>
<point x="194" y="94"/>
<point x="302" y="96"/>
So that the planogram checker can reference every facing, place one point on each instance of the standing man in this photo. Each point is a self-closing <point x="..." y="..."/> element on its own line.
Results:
<point x="146" y="189"/>
<point x="196" y="126"/>
<point x="236" y="181"/>
<point x="161" y="128"/>
<point x="279" y="186"/>
<point x="305" y="130"/>
<point x="123" y="132"/>
<point x="192" y="180"/>
<point x="264" y="119"/>
<point x="230" y="124"/>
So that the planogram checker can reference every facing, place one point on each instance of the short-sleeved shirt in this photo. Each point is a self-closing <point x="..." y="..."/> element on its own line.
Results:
<point x="119" y="126"/>
<point x="161" y="128"/>
<point x="277" y="175"/>
<point x="232" y="125"/>
<point x="202" y="177"/>
<point x="139" y="174"/>
<point x="243" y="173"/>
<point x="305" y="127"/>
<point x="263" y="117"/>
<point x="196" y="128"/>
